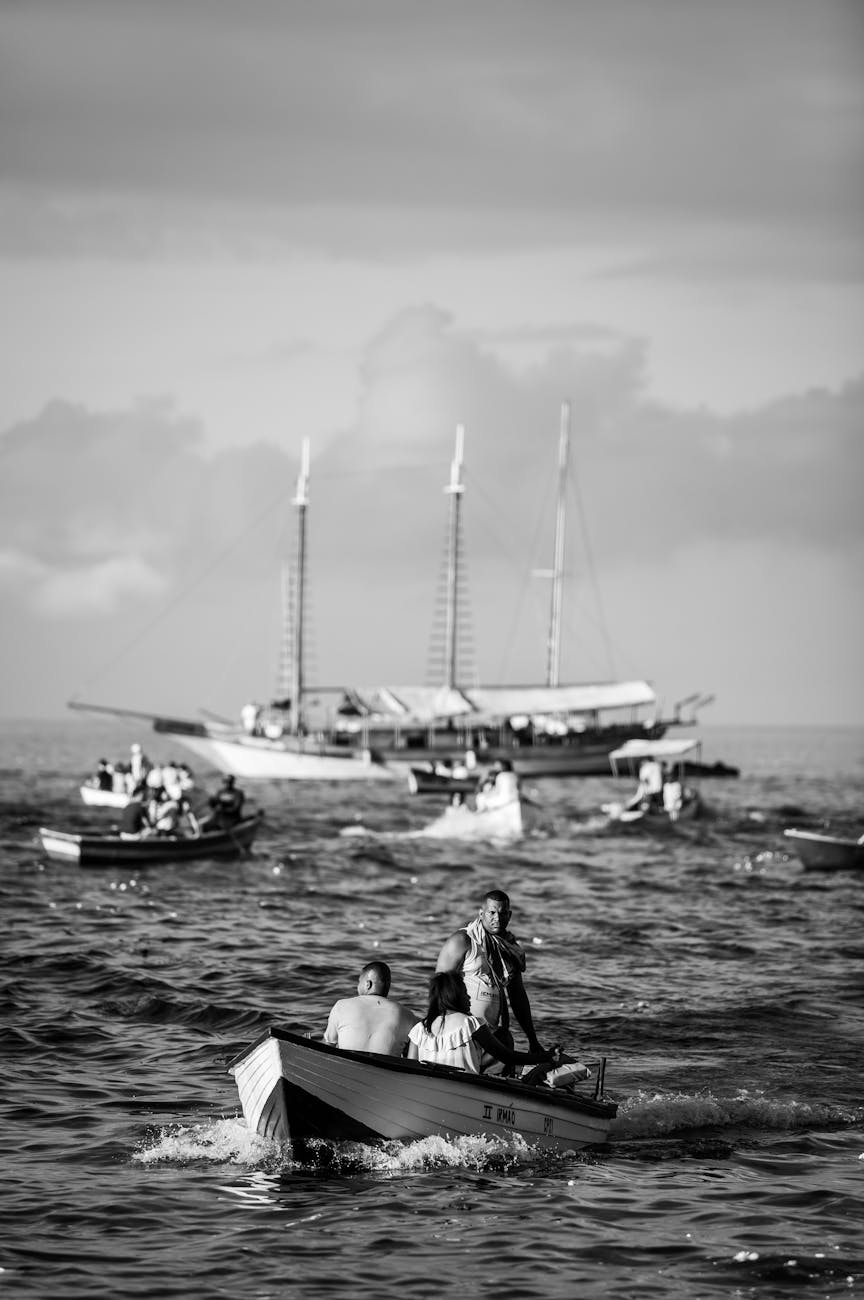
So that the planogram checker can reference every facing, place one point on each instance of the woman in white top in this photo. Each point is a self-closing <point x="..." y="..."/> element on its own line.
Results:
<point x="450" y="1035"/>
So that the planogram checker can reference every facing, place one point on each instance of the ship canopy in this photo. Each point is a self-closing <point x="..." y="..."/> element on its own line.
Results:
<point x="471" y="704"/>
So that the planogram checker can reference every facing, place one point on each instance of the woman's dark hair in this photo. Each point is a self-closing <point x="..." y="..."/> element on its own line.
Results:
<point x="447" y="992"/>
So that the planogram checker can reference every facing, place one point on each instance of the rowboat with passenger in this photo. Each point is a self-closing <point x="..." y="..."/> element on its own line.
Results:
<point x="299" y="1090"/>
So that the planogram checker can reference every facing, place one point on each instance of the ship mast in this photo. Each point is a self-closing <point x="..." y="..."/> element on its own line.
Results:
<point x="454" y="489"/>
<point x="301" y="503"/>
<point x="553" y="660"/>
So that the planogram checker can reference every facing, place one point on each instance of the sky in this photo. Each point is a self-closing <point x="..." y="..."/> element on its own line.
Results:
<point x="227" y="227"/>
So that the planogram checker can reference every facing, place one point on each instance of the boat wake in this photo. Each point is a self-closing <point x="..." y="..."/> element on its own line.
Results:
<point x="443" y="828"/>
<point x="646" y="1115"/>
<point x="229" y="1141"/>
<point x="649" y="1126"/>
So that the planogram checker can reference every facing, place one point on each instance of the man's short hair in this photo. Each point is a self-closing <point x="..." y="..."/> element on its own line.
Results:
<point x="380" y="971"/>
<point x="497" y="896"/>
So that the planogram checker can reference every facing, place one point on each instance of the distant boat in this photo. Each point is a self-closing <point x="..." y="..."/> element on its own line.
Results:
<point x="95" y="796"/>
<point x="433" y="778"/>
<point x="826" y="852"/>
<point x="380" y="732"/>
<point x="88" y="850"/>
<point x="676" y="801"/>
<point x="298" y="1090"/>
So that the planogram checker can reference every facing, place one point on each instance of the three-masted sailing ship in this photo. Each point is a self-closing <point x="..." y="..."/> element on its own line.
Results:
<point x="380" y="732"/>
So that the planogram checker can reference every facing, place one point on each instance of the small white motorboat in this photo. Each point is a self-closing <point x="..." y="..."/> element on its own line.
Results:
<point x="296" y="1089"/>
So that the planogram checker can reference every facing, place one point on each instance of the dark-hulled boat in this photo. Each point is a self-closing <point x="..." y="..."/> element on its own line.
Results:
<point x="821" y="852"/>
<point x="296" y="1089"/>
<point x="109" y="850"/>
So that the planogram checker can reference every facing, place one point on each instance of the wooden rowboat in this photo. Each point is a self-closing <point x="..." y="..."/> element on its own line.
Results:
<point x="424" y="779"/>
<point x="294" y="1089"/>
<point x="110" y="850"/>
<point x="826" y="852"/>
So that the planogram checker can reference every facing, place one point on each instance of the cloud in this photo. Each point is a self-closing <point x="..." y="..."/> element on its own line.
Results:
<point x="120" y="525"/>
<point x="77" y="591"/>
<point x="96" y="588"/>
<point x="80" y="488"/>
<point x="696" y="133"/>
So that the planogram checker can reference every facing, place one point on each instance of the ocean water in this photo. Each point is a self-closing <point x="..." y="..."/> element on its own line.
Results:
<point x="724" y="984"/>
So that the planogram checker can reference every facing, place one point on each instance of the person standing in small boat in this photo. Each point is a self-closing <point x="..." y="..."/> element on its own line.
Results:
<point x="491" y="963"/>
<point x="227" y="806"/>
<point x="450" y="1035"/>
<point x="370" y="1022"/>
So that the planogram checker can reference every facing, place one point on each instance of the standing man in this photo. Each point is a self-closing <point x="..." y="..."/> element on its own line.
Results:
<point x="227" y="804"/>
<point x="371" y="1022"/>
<point x="491" y="963"/>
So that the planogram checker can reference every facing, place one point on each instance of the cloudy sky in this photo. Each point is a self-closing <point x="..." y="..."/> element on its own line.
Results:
<point x="228" y="226"/>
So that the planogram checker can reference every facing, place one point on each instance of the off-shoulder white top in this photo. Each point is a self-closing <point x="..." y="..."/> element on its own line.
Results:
<point x="451" y="1041"/>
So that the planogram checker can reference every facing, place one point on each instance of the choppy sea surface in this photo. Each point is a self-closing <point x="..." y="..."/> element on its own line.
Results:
<point x="724" y="984"/>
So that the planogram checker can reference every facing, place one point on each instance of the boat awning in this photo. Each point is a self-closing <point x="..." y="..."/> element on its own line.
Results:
<point x="654" y="749"/>
<point x="427" y="703"/>
<point x="408" y="703"/>
<point x="533" y="701"/>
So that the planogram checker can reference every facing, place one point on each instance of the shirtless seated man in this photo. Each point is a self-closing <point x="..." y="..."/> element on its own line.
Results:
<point x="371" y="1022"/>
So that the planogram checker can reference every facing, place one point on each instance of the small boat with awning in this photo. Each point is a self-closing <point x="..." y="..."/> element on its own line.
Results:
<point x="297" y="1089"/>
<point x="673" y="799"/>
<point x="92" y="850"/>
<point x="821" y="852"/>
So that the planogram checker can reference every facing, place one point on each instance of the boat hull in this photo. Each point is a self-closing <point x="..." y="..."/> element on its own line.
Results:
<point x="93" y="797"/>
<point x="826" y="852"/>
<point x="111" y="850"/>
<point x="294" y="1089"/>
<point x="423" y="780"/>
<point x="619" y="814"/>
<point x="254" y="758"/>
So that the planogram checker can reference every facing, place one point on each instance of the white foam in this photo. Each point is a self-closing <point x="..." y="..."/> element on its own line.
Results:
<point x="652" y="1114"/>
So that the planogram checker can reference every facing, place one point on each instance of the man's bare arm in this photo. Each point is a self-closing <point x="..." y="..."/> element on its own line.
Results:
<point x="331" y="1033"/>
<point x="453" y="952"/>
<point x="521" y="1009"/>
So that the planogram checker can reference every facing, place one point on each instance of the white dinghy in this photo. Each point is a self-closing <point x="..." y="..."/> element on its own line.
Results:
<point x="297" y="1089"/>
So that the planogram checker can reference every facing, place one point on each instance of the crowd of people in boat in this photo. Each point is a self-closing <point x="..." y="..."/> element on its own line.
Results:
<point x="160" y="805"/>
<point x="123" y="777"/>
<point x="476" y="991"/>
